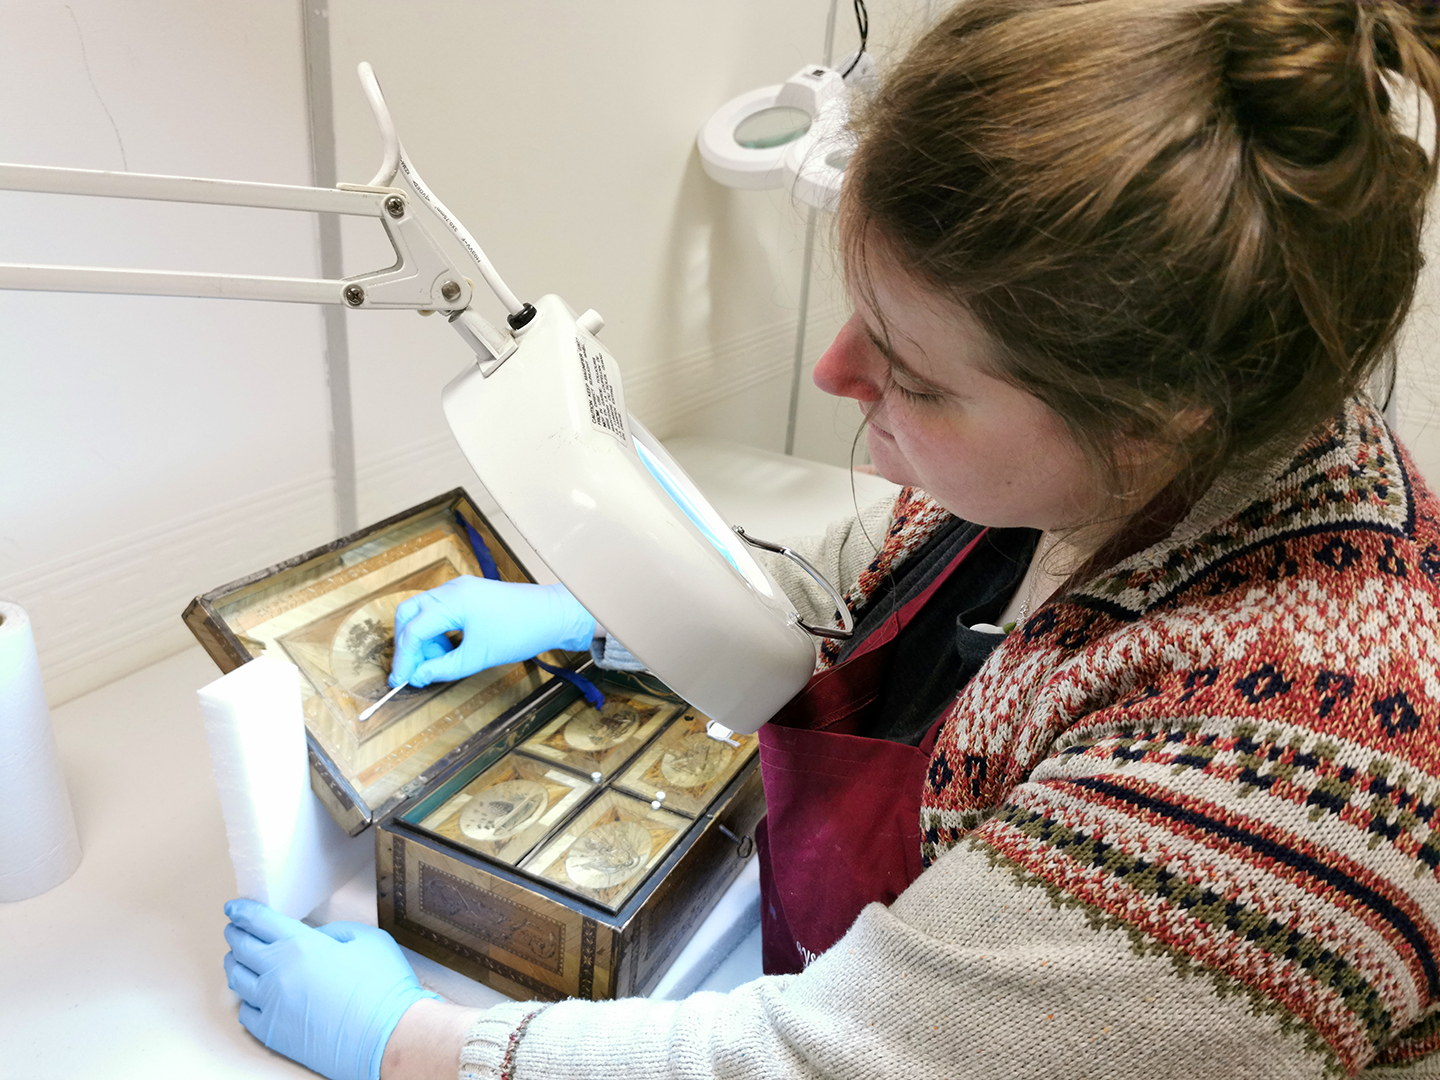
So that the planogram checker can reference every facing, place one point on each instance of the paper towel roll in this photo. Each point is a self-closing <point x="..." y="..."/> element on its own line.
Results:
<point x="40" y="847"/>
<point x="287" y="850"/>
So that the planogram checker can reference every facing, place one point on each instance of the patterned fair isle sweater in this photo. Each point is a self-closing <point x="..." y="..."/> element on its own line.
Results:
<point x="1179" y="825"/>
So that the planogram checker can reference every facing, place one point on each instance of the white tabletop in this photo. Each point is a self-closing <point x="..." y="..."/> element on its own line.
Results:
<point x="775" y="496"/>
<point x="118" y="970"/>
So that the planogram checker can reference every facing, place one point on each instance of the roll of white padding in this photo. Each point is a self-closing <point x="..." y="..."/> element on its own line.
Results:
<point x="40" y="847"/>
<point x="287" y="850"/>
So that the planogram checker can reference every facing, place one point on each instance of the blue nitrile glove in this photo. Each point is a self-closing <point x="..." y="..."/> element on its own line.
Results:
<point x="327" y="998"/>
<point x="501" y="622"/>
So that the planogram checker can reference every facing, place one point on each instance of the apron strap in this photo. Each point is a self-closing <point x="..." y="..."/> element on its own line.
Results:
<point x="891" y="627"/>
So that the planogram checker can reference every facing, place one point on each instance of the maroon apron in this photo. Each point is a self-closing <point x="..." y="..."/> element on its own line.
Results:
<point x="842" y="827"/>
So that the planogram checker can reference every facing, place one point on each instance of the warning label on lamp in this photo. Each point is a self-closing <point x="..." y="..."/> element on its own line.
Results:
<point x="606" y="412"/>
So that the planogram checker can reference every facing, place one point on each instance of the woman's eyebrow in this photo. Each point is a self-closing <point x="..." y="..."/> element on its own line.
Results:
<point x="881" y="345"/>
<point x="884" y="349"/>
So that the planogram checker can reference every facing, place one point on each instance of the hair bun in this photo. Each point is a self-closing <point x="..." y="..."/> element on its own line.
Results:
<point x="1425" y="19"/>
<point x="1309" y="84"/>
<point x="1293" y="75"/>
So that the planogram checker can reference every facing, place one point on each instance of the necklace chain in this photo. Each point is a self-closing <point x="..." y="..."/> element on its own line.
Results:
<point x="1030" y="590"/>
<point x="1025" y="607"/>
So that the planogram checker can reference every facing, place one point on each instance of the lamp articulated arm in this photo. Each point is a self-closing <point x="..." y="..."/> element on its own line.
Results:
<point x="423" y="278"/>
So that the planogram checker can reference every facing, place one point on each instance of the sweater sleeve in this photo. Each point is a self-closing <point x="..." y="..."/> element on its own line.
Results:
<point x="841" y="553"/>
<point x="972" y="973"/>
<point x="1227" y="826"/>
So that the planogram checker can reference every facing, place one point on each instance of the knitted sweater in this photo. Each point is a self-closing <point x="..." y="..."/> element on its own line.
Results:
<point x="1177" y="826"/>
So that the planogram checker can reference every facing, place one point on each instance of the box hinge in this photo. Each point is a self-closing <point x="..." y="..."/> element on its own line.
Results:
<point x="413" y="788"/>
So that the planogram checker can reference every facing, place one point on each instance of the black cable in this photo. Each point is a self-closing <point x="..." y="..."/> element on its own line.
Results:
<point x="862" y="21"/>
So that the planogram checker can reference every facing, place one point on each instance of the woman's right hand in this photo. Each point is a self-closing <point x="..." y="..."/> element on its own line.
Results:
<point x="500" y="622"/>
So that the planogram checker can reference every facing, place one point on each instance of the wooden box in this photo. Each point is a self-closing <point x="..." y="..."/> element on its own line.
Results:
<point x="522" y="922"/>
<point x="523" y="837"/>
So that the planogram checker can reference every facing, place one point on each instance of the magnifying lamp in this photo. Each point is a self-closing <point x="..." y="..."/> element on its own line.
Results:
<point x="617" y="520"/>
<point x="541" y="418"/>
<point x="790" y="135"/>
<point x="771" y="136"/>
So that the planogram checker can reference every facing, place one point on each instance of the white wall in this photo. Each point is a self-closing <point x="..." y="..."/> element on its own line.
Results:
<point x="563" y="134"/>
<point x="1417" y="397"/>
<point x="156" y="448"/>
<point x="152" y="448"/>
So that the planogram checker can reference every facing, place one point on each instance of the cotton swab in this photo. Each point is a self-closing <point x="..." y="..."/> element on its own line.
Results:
<point x="373" y="709"/>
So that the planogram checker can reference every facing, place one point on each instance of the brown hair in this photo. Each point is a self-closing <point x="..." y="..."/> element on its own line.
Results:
<point x="1160" y="208"/>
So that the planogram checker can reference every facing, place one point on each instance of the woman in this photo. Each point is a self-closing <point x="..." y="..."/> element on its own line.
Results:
<point x="1122" y="270"/>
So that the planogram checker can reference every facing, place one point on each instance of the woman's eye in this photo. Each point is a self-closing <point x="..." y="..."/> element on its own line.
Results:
<point x="918" y="396"/>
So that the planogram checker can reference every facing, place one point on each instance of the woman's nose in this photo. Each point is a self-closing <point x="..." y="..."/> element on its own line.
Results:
<point x="851" y="366"/>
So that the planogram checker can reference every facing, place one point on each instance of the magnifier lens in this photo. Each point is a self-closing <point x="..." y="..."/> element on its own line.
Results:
<point x="775" y="126"/>
<point x="721" y="538"/>
<point x="691" y="511"/>
<point x="838" y="159"/>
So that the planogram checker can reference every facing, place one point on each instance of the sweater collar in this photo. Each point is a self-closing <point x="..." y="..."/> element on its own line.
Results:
<point x="1349" y="475"/>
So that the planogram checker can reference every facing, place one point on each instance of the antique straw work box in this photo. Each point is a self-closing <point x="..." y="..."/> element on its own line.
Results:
<point x="525" y="837"/>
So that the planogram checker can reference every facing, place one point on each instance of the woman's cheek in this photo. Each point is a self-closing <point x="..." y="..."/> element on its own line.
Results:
<point x="915" y="433"/>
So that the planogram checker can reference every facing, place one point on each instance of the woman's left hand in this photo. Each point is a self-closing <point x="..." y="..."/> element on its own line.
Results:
<point x="327" y="998"/>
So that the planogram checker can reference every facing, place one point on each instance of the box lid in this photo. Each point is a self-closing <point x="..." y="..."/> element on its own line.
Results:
<point x="331" y="613"/>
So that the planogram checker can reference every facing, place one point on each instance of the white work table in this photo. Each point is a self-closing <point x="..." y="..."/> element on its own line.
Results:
<point x="117" y="971"/>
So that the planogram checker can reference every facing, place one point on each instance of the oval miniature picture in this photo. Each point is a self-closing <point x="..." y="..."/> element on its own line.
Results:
<point x="609" y="854"/>
<point x="696" y="761"/>
<point x="601" y="730"/>
<point x="501" y="811"/>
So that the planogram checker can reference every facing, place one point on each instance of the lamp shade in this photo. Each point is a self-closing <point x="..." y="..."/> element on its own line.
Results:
<point x="634" y="540"/>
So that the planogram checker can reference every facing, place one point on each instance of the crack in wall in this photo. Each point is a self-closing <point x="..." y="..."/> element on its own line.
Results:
<point x="85" y="59"/>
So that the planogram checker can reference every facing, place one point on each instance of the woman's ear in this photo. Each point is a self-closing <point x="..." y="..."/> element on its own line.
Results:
<point x="1145" y="466"/>
<point x="1192" y="419"/>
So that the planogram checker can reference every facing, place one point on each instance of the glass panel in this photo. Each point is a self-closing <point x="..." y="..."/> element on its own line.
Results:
<point x="508" y="809"/>
<point x="600" y="741"/>
<point x="685" y="768"/>
<point x="538" y="806"/>
<point x="775" y="126"/>
<point x="333" y="616"/>
<point x="609" y="849"/>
